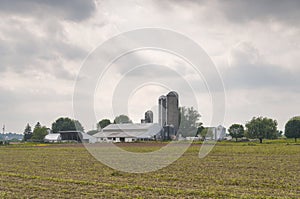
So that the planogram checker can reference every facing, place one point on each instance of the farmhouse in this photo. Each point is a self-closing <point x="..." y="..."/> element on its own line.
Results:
<point x="129" y="132"/>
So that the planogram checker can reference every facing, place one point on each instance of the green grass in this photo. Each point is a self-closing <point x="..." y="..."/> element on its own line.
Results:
<point x="231" y="170"/>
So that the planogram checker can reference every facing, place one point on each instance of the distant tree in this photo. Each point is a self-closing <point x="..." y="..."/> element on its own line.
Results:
<point x="78" y="125"/>
<point x="122" y="119"/>
<point x="103" y="123"/>
<point x="279" y="134"/>
<point x="14" y="140"/>
<point x="203" y="133"/>
<point x="200" y="128"/>
<point x="292" y="128"/>
<point x="236" y="131"/>
<point x="66" y="124"/>
<point x="262" y="128"/>
<point x="189" y="125"/>
<point x="38" y="125"/>
<point x="207" y="132"/>
<point x="39" y="132"/>
<point x="27" y="133"/>
<point x="27" y="129"/>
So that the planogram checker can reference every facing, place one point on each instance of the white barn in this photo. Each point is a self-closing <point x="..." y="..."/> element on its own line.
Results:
<point x="129" y="132"/>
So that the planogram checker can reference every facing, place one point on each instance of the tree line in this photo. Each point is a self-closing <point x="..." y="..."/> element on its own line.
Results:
<point x="66" y="124"/>
<point x="257" y="128"/>
<point x="61" y="124"/>
<point x="265" y="128"/>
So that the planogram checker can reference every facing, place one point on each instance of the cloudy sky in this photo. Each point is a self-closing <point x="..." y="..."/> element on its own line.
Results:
<point x="255" y="46"/>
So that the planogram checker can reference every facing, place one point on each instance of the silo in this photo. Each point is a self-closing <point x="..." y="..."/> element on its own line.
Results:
<point x="172" y="110"/>
<point x="162" y="107"/>
<point x="149" y="117"/>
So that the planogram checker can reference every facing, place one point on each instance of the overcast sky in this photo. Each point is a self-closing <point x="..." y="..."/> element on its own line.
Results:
<point x="255" y="46"/>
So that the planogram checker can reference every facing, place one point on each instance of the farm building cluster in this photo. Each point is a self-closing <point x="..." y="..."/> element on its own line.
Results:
<point x="166" y="128"/>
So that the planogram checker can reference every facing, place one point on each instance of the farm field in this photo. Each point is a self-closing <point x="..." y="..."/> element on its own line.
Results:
<point x="231" y="170"/>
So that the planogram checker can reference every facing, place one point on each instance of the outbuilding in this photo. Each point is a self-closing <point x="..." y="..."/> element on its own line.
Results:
<point x="76" y="136"/>
<point x="53" y="137"/>
<point x="129" y="132"/>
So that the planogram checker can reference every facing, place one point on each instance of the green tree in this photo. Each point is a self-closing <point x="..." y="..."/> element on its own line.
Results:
<point x="38" y="125"/>
<point x="262" y="128"/>
<point x="207" y="132"/>
<point x="27" y="133"/>
<point x="279" y="133"/>
<point x="189" y="125"/>
<point x="200" y="128"/>
<point x="203" y="133"/>
<point x="121" y="119"/>
<point x="66" y="124"/>
<point x="292" y="128"/>
<point x="236" y="131"/>
<point x="103" y="123"/>
<point x="39" y="132"/>
<point x="78" y="125"/>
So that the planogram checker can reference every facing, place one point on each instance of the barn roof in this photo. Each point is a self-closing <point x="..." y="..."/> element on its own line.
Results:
<point x="53" y="136"/>
<point x="129" y="126"/>
<point x="144" y="130"/>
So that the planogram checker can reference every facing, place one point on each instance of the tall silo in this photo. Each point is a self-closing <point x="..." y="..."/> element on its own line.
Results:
<point x="162" y="107"/>
<point x="173" y="110"/>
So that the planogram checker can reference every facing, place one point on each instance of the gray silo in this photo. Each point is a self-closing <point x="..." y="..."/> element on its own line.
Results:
<point x="149" y="117"/>
<point x="172" y="110"/>
<point x="162" y="110"/>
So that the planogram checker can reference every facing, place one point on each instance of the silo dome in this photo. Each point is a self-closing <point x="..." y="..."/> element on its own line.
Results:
<point x="162" y="97"/>
<point x="173" y="93"/>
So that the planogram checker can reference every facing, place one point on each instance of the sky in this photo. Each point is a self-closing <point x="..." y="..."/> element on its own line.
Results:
<point x="254" y="45"/>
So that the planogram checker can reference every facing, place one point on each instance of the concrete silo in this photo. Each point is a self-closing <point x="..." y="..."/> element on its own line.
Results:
<point x="172" y="110"/>
<point x="162" y="110"/>
<point x="149" y="117"/>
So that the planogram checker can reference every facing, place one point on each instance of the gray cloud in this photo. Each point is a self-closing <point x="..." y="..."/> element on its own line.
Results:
<point x="76" y="10"/>
<point x="22" y="50"/>
<point x="42" y="57"/>
<point x="250" y="76"/>
<point x="243" y="11"/>
<point x="240" y="11"/>
<point x="249" y="71"/>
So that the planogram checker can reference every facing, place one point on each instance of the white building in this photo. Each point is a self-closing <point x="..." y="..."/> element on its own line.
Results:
<point x="129" y="132"/>
<point x="54" y="137"/>
<point x="216" y="133"/>
<point x="69" y="136"/>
